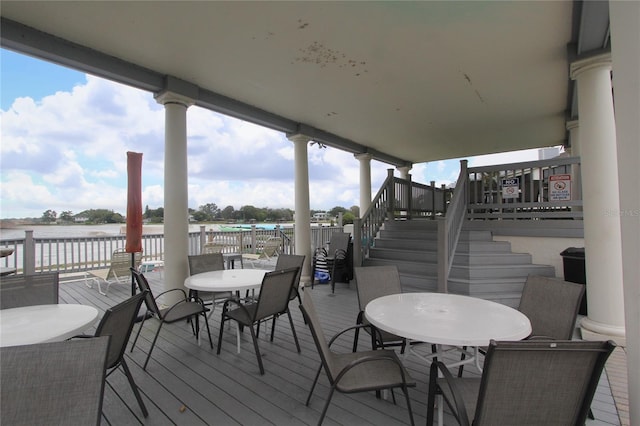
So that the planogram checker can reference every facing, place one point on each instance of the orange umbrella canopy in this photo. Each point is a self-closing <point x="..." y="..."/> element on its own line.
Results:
<point x="134" y="202"/>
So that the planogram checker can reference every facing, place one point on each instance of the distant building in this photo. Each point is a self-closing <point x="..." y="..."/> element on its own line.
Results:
<point x="320" y="216"/>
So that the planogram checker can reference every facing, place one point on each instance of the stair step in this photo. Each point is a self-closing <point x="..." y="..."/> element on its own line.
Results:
<point x="478" y="272"/>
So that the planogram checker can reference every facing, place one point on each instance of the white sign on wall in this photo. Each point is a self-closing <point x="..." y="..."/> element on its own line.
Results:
<point x="560" y="188"/>
<point x="511" y="188"/>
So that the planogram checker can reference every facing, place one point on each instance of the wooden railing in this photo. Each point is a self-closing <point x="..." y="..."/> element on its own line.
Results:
<point x="534" y="190"/>
<point x="449" y="228"/>
<point x="397" y="199"/>
<point x="79" y="254"/>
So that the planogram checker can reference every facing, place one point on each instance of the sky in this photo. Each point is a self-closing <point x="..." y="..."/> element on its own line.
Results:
<point x="64" y="137"/>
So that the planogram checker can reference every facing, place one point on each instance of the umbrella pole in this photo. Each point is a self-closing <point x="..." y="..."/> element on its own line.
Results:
<point x="133" y="280"/>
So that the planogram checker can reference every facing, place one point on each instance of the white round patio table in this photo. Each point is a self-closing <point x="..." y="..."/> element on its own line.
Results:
<point x="226" y="280"/>
<point x="44" y="323"/>
<point x="447" y="319"/>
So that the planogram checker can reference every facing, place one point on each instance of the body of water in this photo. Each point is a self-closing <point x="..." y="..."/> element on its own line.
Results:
<point x="79" y="231"/>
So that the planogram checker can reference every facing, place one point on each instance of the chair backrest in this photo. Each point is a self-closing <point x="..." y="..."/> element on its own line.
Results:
<point x="376" y="281"/>
<point x="205" y="262"/>
<point x="271" y="247"/>
<point x="274" y="293"/>
<point x="286" y="261"/>
<point x="118" y="322"/>
<point x="326" y="356"/>
<point x="59" y="383"/>
<point x="339" y="241"/>
<point x="120" y="264"/>
<point x="29" y="290"/>
<point x="551" y="305"/>
<point x="144" y="287"/>
<point x="540" y="382"/>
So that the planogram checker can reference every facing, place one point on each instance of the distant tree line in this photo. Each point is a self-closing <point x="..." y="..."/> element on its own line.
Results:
<point x="209" y="212"/>
<point x="92" y="216"/>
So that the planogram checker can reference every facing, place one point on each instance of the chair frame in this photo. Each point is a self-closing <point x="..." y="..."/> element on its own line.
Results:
<point x="252" y="314"/>
<point x="492" y="389"/>
<point x="163" y="314"/>
<point x="542" y="296"/>
<point x="387" y="279"/>
<point x="216" y="264"/>
<point x="118" y="344"/>
<point x="369" y="361"/>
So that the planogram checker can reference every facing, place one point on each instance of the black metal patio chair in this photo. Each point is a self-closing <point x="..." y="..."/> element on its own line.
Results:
<point x="353" y="372"/>
<point x="185" y="308"/>
<point x="529" y="382"/>
<point x="59" y="383"/>
<point x="207" y="262"/>
<point x="29" y="290"/>
<point x="273" y="300"/>
<point x="117" y="322"/>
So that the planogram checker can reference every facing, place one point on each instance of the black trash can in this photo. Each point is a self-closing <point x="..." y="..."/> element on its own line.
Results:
<point x="574" y="271"/>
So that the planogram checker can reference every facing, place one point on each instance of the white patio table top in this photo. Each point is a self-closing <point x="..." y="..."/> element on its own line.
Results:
<point x="447" y="319"/>
<point x="226" y="280"/>
<point x="44" y="323"/>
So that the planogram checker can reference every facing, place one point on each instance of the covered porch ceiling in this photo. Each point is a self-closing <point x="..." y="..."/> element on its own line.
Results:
<point x="408" y="82"/>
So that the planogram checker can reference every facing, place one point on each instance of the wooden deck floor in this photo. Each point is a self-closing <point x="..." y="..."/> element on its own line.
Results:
<point x="188" y="384"/>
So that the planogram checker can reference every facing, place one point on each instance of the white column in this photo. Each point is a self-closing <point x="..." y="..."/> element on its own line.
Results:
<point x="573" y="127"/>
<point x="365" y="181"/>
<point x="625" y="34"/>
<point x="176" y="208"/>
<point x="404" y="171"/>
<point x="603" y="252"/>
<point x="302" y="216"/>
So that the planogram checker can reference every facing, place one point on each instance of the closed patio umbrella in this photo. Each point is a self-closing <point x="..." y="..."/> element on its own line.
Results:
<point x="134" y="208"/>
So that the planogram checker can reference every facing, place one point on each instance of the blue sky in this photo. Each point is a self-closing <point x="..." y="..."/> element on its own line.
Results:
<point x="65" y="135"/>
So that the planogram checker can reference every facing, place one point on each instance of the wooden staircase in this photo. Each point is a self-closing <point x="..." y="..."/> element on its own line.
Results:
<point x="481" y="267"/>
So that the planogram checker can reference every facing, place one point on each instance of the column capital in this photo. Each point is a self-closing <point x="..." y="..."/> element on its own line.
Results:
<point x="365" y="156"/>
<point x="298" y="137"/>
<point x="598" y="61"/>
<point x="167" y="97"/>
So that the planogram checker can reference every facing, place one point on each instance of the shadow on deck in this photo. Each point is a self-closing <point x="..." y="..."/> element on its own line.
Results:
<point x="188" y="384"/>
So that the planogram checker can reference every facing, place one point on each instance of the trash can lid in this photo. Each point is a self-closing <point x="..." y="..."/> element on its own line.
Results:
<point x="573" y="251"/>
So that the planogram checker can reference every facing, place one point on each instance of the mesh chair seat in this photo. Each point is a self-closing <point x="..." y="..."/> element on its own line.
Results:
<point x="180" y="311"/>
<point x="29" y="290"/>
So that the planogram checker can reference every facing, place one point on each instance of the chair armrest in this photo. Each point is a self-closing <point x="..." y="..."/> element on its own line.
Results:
<point x="172" y="289"/>
<point x="377" y="356"/>
<point x="439" y="368"/>
<point x="353" y="327"/>
<point x="181" y="302"/>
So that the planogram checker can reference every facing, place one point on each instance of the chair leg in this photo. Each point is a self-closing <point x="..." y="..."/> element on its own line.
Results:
<point x="133" y="345"/>
<point x="293" y="331"/>
<point x="153" y="344"/>
<point x="406" y="395"/>
<point x="313" y="385"/>
<point x="255" y="346"/>
<point x="208" y="329"/>
<point x="326" y="406"/>
<point x="134" y="388"/>
<point x="273" y="326"/>
<point x="220" y="334"/>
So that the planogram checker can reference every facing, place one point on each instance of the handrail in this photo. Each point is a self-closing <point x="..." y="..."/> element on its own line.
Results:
<point x="450" y="226"/>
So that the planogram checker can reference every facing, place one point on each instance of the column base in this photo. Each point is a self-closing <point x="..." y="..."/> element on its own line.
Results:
<point x="593" y="330"/>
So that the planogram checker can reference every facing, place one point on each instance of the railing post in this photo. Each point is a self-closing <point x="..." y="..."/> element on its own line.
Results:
<point x="443" y="256"/>
<point x="357" y="242"/>
<point x="443" y="188"/>
<point x="433" y="199"/>
<point x="409" y="197"/>
<point x="254" y="245"/>
<point x="391" y="191"/>
<point x="203" y="238"/>
<point x="29" y="255"/>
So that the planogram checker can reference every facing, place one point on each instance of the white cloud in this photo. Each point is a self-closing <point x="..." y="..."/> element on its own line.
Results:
<point x="67" y="151"/>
